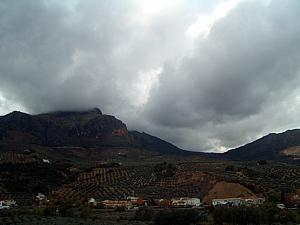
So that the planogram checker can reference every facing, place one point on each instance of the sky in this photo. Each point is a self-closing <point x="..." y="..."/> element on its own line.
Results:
<point x="204" y="75"/>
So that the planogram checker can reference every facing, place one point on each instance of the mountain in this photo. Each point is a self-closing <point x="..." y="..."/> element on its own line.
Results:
<point x="281" y="146"/>
<point x="153" y="143"/>
<point x="86" y="129"/>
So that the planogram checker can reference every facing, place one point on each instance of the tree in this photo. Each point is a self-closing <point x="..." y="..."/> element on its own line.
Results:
<point x="144" y="214"/>
<point x="177" y="217"/>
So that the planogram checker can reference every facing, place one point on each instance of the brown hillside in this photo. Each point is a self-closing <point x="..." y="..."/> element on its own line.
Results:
<point x="292" y="152"/>
<point x="227" y="190"/>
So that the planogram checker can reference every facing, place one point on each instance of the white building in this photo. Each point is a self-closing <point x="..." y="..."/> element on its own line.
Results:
<point x="41" y="197"/>
<point x="280" y="206"/>
<point x="6" y="204"/>
<point x="251" y="201"/>
<point x="92" y="201"/>
<point x="46" y="161"/>
<point x="2" y="206"/>
<point x="112" y="204"/>
<point x="227" y="201"/>
<point x="186" y="202"/>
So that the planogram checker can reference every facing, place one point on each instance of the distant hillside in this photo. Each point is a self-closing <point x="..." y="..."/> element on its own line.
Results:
<point x="152" y="143"/>
<point x="87" y="129"/>
<point x="270" y="147"/>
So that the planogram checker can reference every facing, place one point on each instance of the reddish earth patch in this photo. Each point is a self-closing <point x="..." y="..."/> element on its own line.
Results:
<point x="227" y="190"/>
<point x="293" y="151"/>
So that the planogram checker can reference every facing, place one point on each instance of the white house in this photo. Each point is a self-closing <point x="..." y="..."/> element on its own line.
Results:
<point x="46" y="161"/>
<point x="280" y="206"/>
<point x="254" y="201"/>
<point x="251" y="201"/>
<point x="186" y="202"/>
<point x="2" y="206"/>
<point x="227" y="201"/>
<point x="41" y="197"/>
<point x="6" y="204"/>
<point x="112" y="204"/>
<point x="92" y="201"/>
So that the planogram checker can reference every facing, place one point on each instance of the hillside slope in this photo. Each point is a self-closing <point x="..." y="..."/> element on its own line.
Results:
<point x="152" y="143"/>
<point x="269" y="147"/>
<point x="88" y="129"/>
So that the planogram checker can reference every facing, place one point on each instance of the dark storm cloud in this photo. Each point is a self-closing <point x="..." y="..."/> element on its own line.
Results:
<point x="57" y="55"/>
<point x="209" y="93"/>
<point x="248" y="63"/>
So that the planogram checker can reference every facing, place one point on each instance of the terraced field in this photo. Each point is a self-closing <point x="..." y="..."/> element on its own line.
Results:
<point x="15" y="158"/>
<point x="192" y="177"/>
<point x="121" y="182"/>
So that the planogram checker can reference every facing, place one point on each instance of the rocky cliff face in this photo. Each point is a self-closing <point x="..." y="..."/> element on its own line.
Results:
<point x="88" y="128"/>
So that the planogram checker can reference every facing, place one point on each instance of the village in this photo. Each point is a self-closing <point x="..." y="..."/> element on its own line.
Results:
<point x="182" y="202"/>
<point x="133" y="203"/>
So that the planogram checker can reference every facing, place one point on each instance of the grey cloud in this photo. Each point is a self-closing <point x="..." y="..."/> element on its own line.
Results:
<point x="248" y="64"/>
<point x="54" y="56"/>
<point x="214" y="93"/>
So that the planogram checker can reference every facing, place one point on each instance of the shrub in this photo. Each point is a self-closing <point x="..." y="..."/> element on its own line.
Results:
<point x="85" y="212"/>
<point x="176" y="217"/>
<point x="66" y="211"/>
<point x="38" y="211"/>
<point x="229" y="168"/>
<point x="120" y="209"/>
<point x="144" y="214"/>
<point x="244" y="215"/>
<point x="262" y="162"/>
<point x="99" y="205"/>
<point x="165" y="169"/>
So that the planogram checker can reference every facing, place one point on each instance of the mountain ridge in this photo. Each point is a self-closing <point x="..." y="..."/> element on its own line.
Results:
<point x="268" y="147"/>
<point x="88" y="129"/>
<point x="93" y="129"/>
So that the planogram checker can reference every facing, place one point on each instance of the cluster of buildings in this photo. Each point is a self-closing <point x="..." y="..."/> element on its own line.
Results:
<point x="6" y="204"/>
<point x="129" y="203"/>
<point x="251" y="201"/>
<point x="135" y="202"/>
<point x="41" y="199"/>
<point x="183" y="202"/>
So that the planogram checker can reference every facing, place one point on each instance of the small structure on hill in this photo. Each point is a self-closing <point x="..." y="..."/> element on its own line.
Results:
<point x="41" y="199"/>
<point x="46" y="161"/>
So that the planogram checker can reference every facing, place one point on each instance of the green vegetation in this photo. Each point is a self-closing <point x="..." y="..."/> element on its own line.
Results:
<point x="144" y="214"/>
<point x="267" y="214"/>
<point x="165" y="169"/>
<point x="177" y="217"/>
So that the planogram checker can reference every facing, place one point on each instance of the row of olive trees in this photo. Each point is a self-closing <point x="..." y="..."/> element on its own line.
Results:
<point x="261" y="215"/>
<point x="267" y="214"/>
<point x="170" y="216"/>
